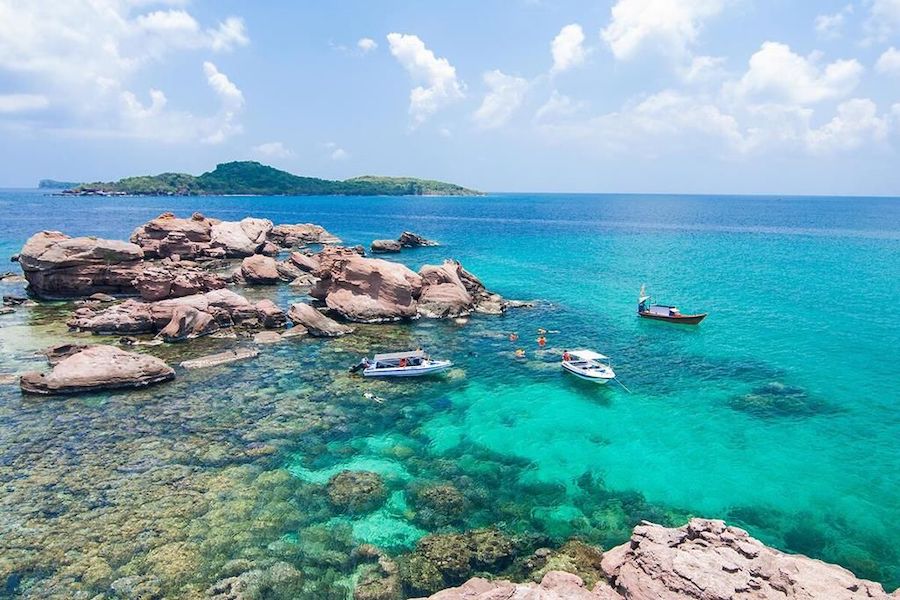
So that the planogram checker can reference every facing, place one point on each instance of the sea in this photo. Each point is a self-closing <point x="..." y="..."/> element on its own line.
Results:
<point x="779" y="413"/>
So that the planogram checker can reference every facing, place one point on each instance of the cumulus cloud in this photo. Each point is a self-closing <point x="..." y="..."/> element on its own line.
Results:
<point x="777" y="74"/>
<point x="883" y="21"/>
<point x="830" y="26"/>
<point x="889" y="62"/>
<point x="366" y="45"/>
<point x="14" y="103"/>
<point x="87" y="51"/>
<point x="855" y="123"/>
<point x="567" y="48"/>
<point x="702" y="69"/>
<point x="558" y="106"/>
<point x="335" y="152"/>
<point x="505" y="95"/>
<point x="438" y="84"/>
<point x="667" y="26"/>
<point x="273" y="150"/>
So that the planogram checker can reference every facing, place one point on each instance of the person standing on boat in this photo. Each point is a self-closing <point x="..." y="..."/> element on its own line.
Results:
<point x="566" y="356"/>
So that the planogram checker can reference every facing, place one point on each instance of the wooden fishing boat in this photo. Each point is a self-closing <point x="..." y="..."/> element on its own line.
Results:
<point x="662" y="312"/>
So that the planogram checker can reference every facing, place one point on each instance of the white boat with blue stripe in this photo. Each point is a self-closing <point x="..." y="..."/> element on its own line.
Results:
<point x="588" y="365"/>
<point x="403" y="364"/>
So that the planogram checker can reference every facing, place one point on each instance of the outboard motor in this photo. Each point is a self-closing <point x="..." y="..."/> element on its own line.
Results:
<point x="360" y="366"/>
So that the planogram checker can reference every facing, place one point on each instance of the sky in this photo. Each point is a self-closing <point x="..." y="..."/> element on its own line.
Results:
<point x="643" y="96"/>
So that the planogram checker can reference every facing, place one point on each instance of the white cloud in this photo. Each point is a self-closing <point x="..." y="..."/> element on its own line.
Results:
<point x="829" y="26"/>
<point x="668" y="26"/>
<point x="702" y="69"/>
<point x="273" y="150"/>
<point x="567" y="48"/>
<point x="883" y="21"/>
<point x="558" y="106"/>
<point x="366" y="45"/>
<point x="88" y="51"/>
<point x="889" y="62"/>
<point x="856" y="123"/>
<point x="335" y="152"/>
<point x="13" y="103"/>
<point x="439" y="85"/>
<point x="232" y="101"/>
<point x="505" y="95"/>
<point x="776" y="74"/>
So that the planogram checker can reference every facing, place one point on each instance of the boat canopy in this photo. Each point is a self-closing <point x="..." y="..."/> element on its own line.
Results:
<point x="399" y="355"/>
<point x="587" y="355"/>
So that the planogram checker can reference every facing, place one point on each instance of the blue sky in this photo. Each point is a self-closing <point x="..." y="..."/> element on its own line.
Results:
<point x="706" y="96"/>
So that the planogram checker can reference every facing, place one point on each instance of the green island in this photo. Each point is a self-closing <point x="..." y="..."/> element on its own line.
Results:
<point x="53" y="184"/>
<point x="252" y="178"/>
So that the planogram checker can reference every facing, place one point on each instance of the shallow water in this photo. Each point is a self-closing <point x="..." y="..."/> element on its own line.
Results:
<point x="778" y="413"/>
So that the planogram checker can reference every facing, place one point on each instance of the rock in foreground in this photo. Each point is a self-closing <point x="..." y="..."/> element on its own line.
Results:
<point x="98" y="368"/>
<point x="318" y="325"/>
<point x="556" y="585"/>
<point x="59" y="266"/>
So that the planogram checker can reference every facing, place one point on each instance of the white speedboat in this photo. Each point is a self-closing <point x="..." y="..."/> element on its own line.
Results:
<point x="588" y="365"/>
<point x="402" y="364"/>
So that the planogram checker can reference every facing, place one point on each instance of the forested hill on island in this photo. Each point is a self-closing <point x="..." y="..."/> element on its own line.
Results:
<point x="253" y="178"/>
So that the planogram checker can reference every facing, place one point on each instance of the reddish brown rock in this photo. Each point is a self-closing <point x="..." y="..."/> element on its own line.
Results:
<point x="240" y="238"/>
<point x="98" y="368"/>
<point x="174" y="279"/>
<point x="316" y="324"/>
<point x="188" y="322"/>
<point x="707" y="559"/>
<point x="259" y="269"/>
<point x="366" y="290"/>
<point x="304" y="262"/>
<point x="301" y="234"/>
<point x="556" y="585"/>
<point x="385" y="246"/>
<point x="408" y="239"/>
<point x="270" y="316"/>
<point x="58" y="266"/>
<point x="167" y="235"/>
<point x="443" y="292"/>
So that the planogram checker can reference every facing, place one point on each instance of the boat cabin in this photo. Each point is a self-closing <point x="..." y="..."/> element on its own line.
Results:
<point x="394" y="360"/>
<point x="662" y="310"/>
<point x="583" y="358"/>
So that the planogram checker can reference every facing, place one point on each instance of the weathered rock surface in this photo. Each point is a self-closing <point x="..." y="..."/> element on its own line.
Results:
<point x="168" y="235"/>
<point x="356" y="491"/>
<point x="97" y="368"/>
<point x="240" y="238"/>
<point x="304" y="262"/>
<point x="260" y="270"/>
<point x="556" y="585"/>
<point x="707" y="559"/>
<point x="220" y="358"/>
<point x="408" y="239"/>
<point x="443" y="293"/>
<point x="174" y="279"/>
<point x="225" y="308"/>
<point x="317" y="324"/>
<point x="58" y="266"/>
<point x="366" y="290"/>
<point x="301" y="234"/>
<point x="385" y="246"/>
<point x="270" y="316"/>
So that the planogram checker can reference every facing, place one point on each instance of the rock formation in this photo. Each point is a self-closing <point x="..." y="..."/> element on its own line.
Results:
<point x="408" y="239"/>
<point x="238" y="239"/>
<point x="167" y="235"/>
<point x="220" y="358"/>
<point x="385" y="246"/>
<point x="315" y="323"/>
<point x="304" y="262"/>
<point x="59" y="266"/>
<point x="98" y="367"/>
<point x="174" y="279"/>
<point x="703" y="560"/>
<point x="180" y="318"/>
<point x="301" y="234"/>
<point x="259" y="269"/>
<point x="451" y="291"/>
<point x="366" y="290"/>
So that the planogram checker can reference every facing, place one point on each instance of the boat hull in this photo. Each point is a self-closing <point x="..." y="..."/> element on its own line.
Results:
<point x="416" y="371"/>
<point x="682" y="319"/>
<point x="599" y="380"/>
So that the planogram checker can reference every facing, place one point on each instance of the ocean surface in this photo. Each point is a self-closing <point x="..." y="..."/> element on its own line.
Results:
<point x="780" y="413"/>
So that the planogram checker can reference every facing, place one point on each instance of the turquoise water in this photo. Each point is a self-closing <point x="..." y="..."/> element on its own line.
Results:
<point x="778" y="413"/>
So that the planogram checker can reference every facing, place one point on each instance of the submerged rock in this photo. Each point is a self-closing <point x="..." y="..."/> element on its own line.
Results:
<point x="356" y="491"/>
<point x="220" y="358"/>
<point x="315" y="323"/>
<point x="777" y="399"/>
<point x="59" y="266"/>
<point x="98" y="368"/>
<point x="439" y="505"/>
<point x="281" y="581"/>
<point x="707" y="559"/>
<point x="366" y="290"/>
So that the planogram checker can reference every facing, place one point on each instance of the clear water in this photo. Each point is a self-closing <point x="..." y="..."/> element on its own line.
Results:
<point x="778" y="413"/>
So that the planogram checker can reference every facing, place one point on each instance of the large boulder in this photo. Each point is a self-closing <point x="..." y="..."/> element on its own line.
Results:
<point x="224" y="307"/>
<point x="317" y="324"/>
<point x="304" y="262"/>
<point x="259" y="269"/>
<point x="238" y="239"/>
<point x="59" y="266"/>
<point x="443" y="293"/>
<point x="408" y="239"/>
<point x="300" y="234"/>
<point x="168" y="235"/>
<point x="556" y="585"/>
<point x="707" y="559"/>
<point x="98" y="368"/>
<point x="385" y="246"/>
<point x="173" y="279"/>
<point x="366" y="290"/>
